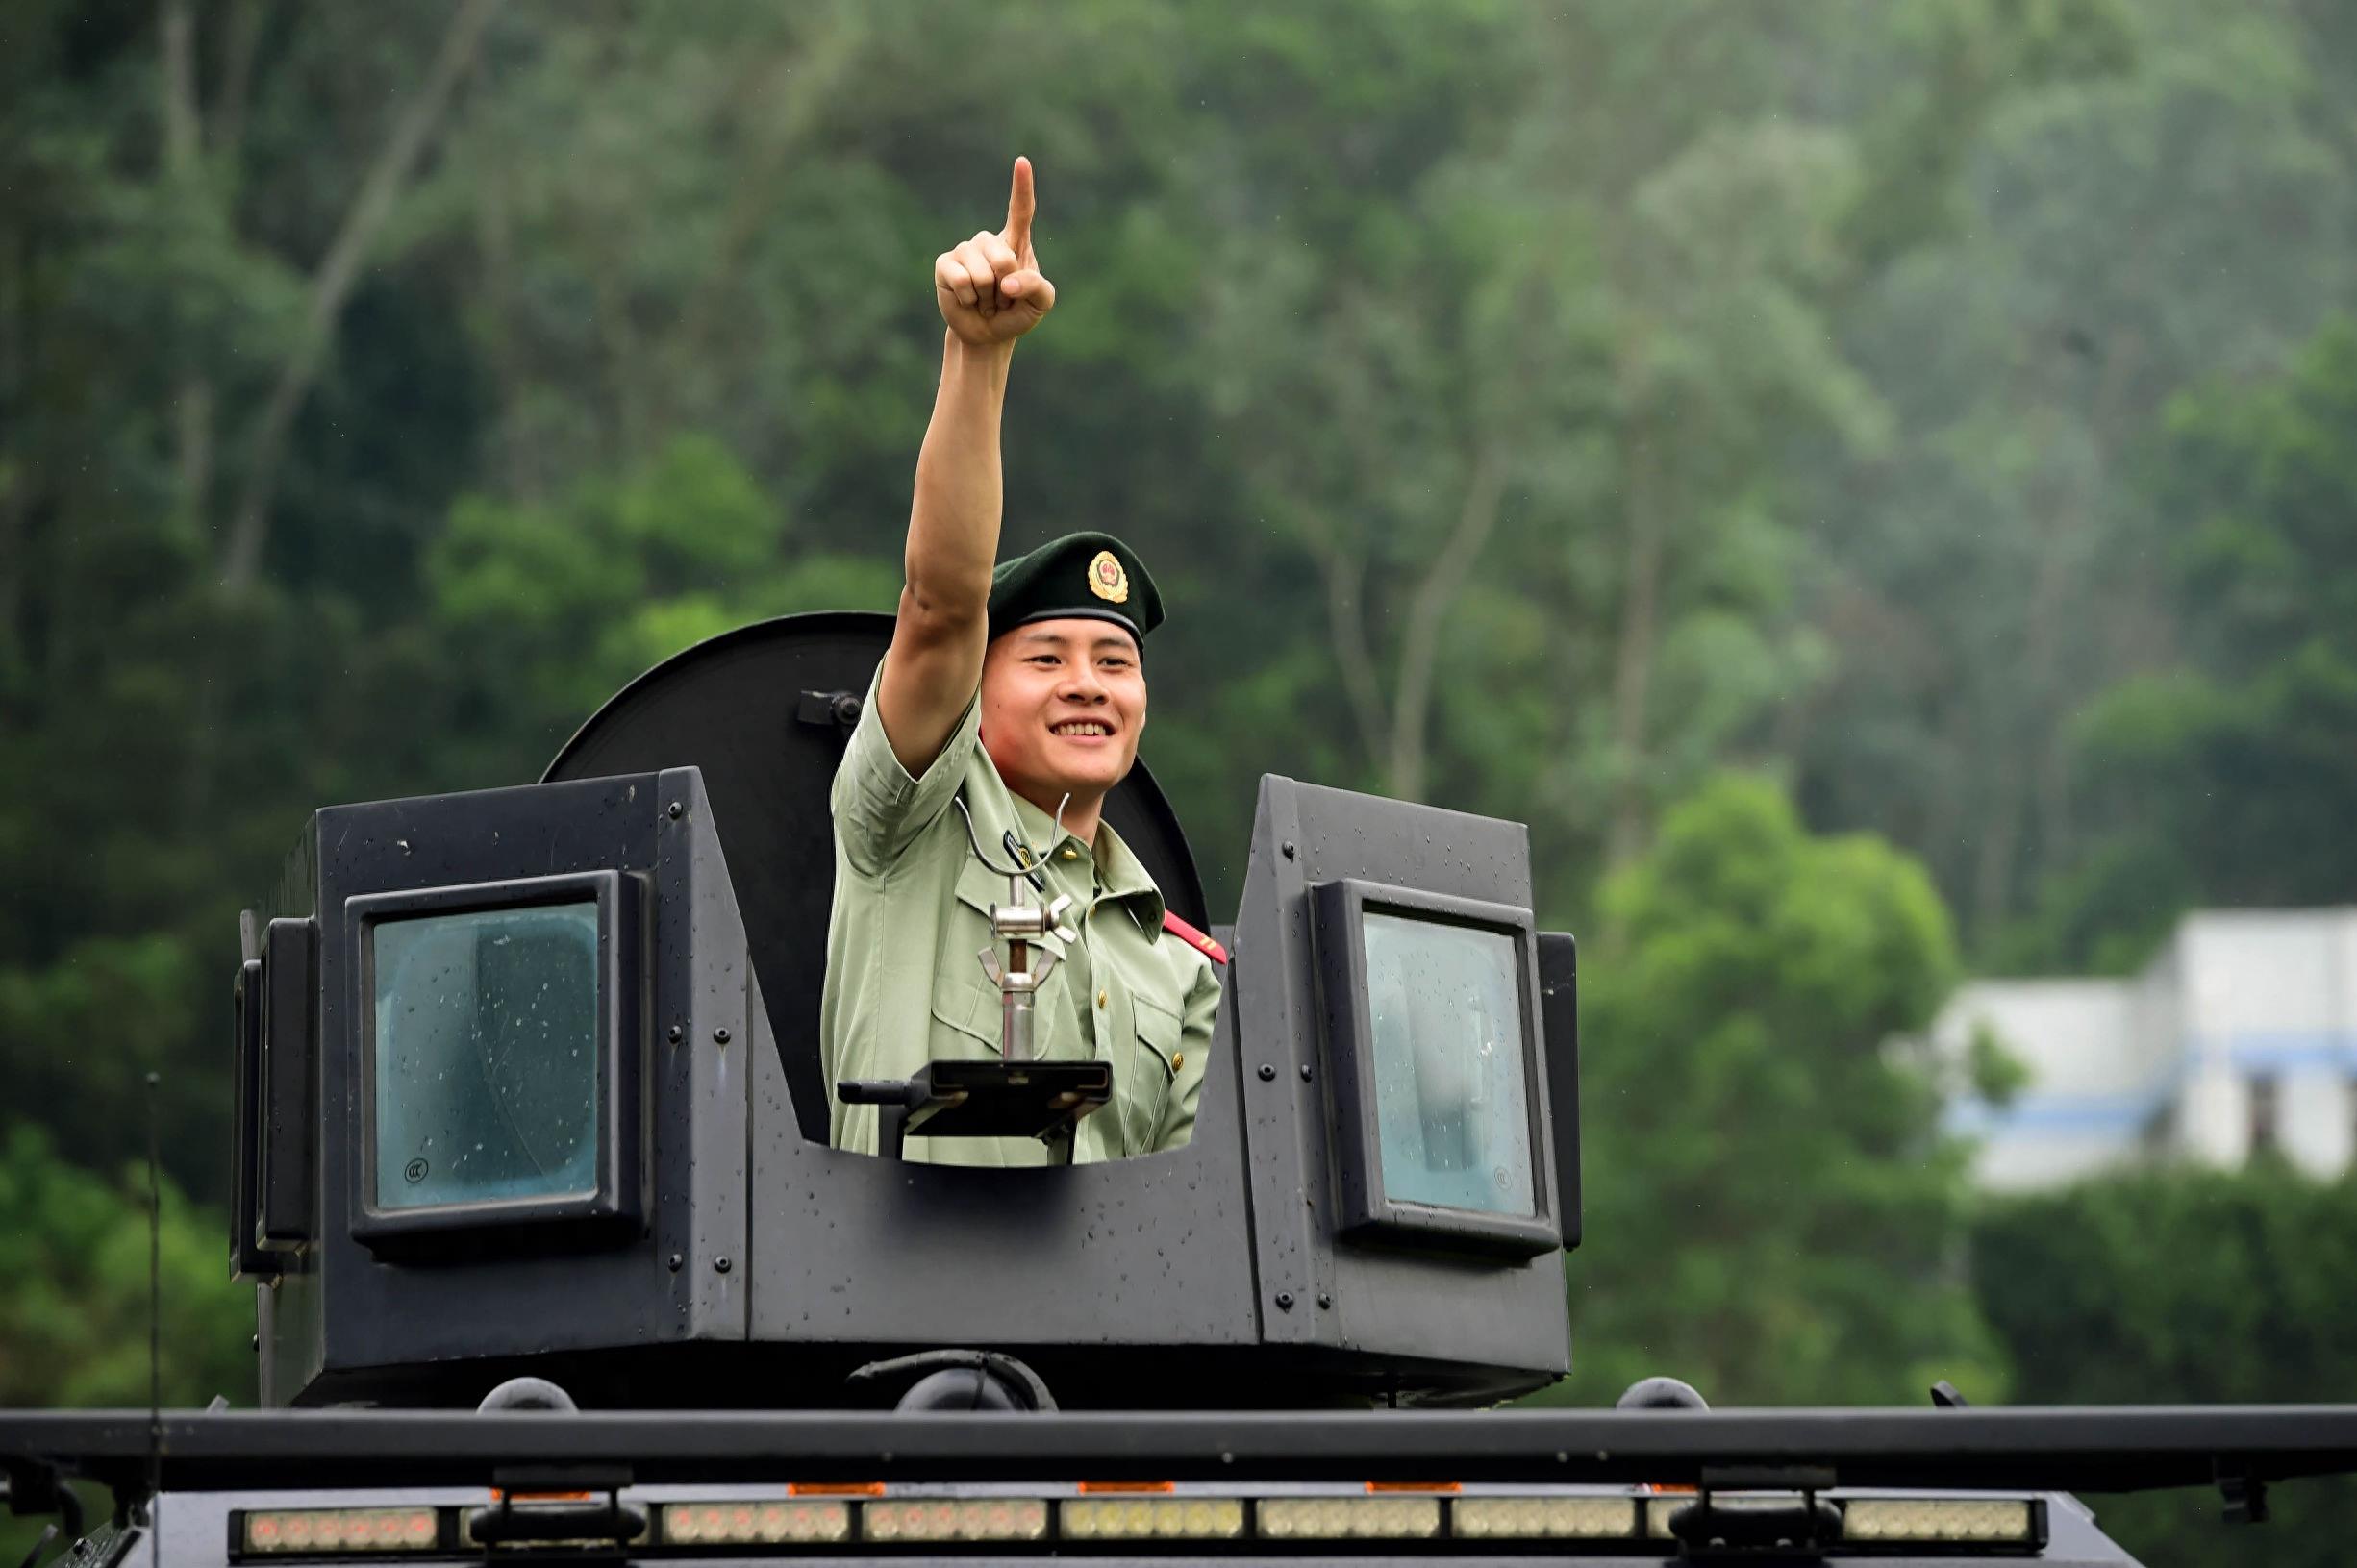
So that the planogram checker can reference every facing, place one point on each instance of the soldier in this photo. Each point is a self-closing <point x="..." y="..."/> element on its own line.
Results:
<point x="1019" y="693"/>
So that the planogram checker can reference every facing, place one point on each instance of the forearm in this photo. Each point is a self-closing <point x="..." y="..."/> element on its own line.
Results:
<point x="953" y="522"/>
<point x="990" y="292"/>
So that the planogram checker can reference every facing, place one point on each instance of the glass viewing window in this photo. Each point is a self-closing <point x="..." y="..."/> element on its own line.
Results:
<point x="1434" y="1051"/>
<point x="487" y="1060"/>
<point x="1452" y="1105"/>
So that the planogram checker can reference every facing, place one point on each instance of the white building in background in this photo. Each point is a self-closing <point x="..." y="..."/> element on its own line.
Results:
<point x="2241" y="1035"/>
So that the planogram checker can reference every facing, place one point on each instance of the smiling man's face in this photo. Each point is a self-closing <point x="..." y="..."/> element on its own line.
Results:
<point x="1062" y="703"/>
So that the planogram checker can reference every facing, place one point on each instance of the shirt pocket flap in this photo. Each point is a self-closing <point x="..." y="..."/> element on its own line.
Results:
<point x="979" y="887"/>
<point x="1158" y="1029"/>
<point x="968" y="1007"/>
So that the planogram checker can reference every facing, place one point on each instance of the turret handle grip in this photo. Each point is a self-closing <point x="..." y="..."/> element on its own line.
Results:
<point x="880" y="1091"/>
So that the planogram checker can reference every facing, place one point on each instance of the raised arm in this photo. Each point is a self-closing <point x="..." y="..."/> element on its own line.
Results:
<point x="990" y="292"/>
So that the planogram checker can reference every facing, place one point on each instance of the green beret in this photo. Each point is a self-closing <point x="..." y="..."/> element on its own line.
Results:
<point x="1091" y="575"/>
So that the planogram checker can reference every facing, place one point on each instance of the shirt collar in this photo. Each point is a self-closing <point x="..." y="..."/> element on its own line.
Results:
<point x="1118" y="870"/>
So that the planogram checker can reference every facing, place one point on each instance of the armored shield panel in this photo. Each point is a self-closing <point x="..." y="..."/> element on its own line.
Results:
<point x="560" y="1112"/>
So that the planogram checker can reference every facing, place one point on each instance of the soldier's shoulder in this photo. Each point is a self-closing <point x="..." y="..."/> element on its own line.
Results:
<point x="1211" y="951"/>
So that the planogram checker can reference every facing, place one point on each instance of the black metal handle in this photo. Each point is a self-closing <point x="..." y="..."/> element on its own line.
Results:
<point x="898" y="1096"/>
<point x="1779" y="1526"/>
<point x="880" y="1091"/>
<point x="606" y="1521"/>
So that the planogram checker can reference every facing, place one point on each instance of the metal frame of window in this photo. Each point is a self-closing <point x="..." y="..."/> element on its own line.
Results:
<point x="1367" y="1208"/>
<point x="621" y="1045"/>
<point x="2263" y="1103"/>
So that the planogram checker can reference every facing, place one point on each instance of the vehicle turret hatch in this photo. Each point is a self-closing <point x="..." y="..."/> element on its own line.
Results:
<point x="763" y="711"/>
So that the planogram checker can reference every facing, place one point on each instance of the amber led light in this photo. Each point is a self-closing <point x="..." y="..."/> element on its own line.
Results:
<point x="335" y="1532"/>
<point x="749" y="1523"/>
<point x="955" y="1519"/>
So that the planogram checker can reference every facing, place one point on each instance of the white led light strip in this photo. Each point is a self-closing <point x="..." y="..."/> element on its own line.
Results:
<point x="1936" y="1519"/>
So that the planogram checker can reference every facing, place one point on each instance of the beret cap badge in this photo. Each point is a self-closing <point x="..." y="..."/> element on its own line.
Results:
<point x="1107" y="578"/>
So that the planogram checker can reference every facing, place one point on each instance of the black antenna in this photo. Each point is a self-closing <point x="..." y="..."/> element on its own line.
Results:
<point x="155" y="1327"/>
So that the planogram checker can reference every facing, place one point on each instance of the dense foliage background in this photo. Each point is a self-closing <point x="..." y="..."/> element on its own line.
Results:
<point x="1873" y="486"/>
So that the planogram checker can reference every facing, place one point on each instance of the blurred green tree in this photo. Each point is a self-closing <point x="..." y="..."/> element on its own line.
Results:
<point x="2171" y="202"/>
<point x="75" y="1317"/>
<point x="74" y="1321"/>
<point x="538" y="612"/>
<point x="1773" y="1211"/>
<point x="2227" y="778"/>
<point x="2184" y="1288"/>
<point x="185" y="241"/>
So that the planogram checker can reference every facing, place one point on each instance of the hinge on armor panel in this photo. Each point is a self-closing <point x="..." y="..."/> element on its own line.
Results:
<point x="840" y="709"/>
<point x="2245" y="1494"/>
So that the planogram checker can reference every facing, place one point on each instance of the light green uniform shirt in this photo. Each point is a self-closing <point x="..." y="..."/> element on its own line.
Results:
<point x="912" y="910"/>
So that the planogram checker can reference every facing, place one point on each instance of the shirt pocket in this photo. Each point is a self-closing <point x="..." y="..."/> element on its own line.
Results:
<point x="1153" y="1066"/>
<point x="965" y="1019"/>
<point x="978" y="886"/>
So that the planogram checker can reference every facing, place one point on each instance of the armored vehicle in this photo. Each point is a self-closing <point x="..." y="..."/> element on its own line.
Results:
<point x="553" y="1258"/>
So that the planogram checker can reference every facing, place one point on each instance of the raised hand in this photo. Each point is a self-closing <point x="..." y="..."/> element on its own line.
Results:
<point x="991" y="289"/>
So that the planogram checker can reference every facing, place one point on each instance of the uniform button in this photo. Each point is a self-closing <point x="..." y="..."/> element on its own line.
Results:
<point x="1070" y="854"/>
<point x="1100" y="999"/>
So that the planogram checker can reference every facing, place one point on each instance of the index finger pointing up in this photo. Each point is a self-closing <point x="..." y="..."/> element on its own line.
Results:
<point x="1020" y="204"/>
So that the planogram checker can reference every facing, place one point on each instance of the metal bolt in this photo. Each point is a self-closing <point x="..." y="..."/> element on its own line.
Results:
<point x="678" y="1034"/>
<point x="721" y="1263"/>
<point x="720" y="1036"/>
<point x="1285" y="1301"/>
<point x="1324" y="1300"/>
<point x="258" y="1342"/>
<point x="1289" y="849"/>
<point x="675" y="811"/>
<point x="1305" y="1072"/>
<point x="678" y="1261"/>
<point x="1267" y="1073"/>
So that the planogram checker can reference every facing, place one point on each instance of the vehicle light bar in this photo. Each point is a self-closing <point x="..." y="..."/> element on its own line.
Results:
<point x="1345" y="1518"/>
<point x="1153" y="1518"/>
<point x="1108" y="1515"/>
<point x="1543" y="1518"/>
<point x="752" y="1522"/>
<point x="323" y="1532"/>
<point x="2014" y="1521"/>
<point x="955" y="1519"/>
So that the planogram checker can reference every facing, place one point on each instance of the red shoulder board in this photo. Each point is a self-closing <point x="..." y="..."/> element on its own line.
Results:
<point x="1194" y="938"/>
